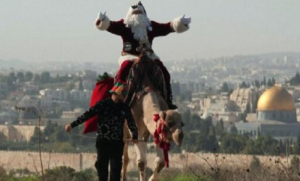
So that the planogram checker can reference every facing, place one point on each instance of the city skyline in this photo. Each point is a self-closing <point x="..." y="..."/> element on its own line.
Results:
<point x="35" y="31"/>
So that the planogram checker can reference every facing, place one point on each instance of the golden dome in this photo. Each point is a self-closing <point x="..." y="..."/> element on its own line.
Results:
<point x="276" y="98"/>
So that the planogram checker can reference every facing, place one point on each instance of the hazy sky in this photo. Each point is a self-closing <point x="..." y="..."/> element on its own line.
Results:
<point x="63" y="30"/>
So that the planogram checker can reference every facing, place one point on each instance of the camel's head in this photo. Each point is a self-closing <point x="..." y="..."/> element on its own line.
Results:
<point x="174" y="124"/>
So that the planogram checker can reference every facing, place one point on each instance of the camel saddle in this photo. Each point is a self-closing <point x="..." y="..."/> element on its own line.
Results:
<point x="144" y="75"/>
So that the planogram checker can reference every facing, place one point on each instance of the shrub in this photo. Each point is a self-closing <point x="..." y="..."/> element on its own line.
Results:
<point x="3" y="174"/>
<point x="88" y="175"/>
<point x="255" y="163"/>
<point x="294" y="167"/>
<point x="29" y="178"/>
<point x="59" y="174"/>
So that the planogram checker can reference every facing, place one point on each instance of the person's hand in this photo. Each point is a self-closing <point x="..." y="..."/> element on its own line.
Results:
<point x="68" y="128"/>
<point x="185" y="21"/>
<point x="101" y="16"/>
<point x="135" y="141"/>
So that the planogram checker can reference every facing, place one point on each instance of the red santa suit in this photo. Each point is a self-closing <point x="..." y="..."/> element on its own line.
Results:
<point x="131" y="44"/>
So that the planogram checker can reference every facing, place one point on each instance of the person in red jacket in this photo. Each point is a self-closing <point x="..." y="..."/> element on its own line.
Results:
<point x="136" y="30"/>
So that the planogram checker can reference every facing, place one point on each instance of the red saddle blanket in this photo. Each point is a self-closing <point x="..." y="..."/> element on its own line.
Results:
<point x="99" y="93"/>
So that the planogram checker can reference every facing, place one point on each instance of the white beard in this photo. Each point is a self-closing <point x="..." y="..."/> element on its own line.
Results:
<point x="139" y="24"/>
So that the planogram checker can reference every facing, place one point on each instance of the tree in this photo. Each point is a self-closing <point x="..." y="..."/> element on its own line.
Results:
<point x="250" y="148"/>
<point x="45" y="77"/>
<point x="80" y="85"/>
<point x="222" y="124"/>
<point x="264" y="81"/>
<point x="28" y="76"/>
<point x="224" y="87"/>
<point x="266" y="145"/>
<point x="49" y="129"/>
<point x="205" y="126"/>
<point x="297" y="77"/>
<point x="35" y="137"/>
<point x="257" y="83"/>
<point x="229" y="92"/>
<point x="12" y="76"/>
<point x="243" y="117"/>
<point x="36" y="78"/>
<point x="295" y="80"/>
<point x="60" y="135"/>
<point x="280" y="147"/>
<point x="270" y="83"/>
<point x="186" y="116"/>
<point x="296" y="148"/>
<point x="231" y="143"/>
<point x="195" y="121"/>
<point x="199" y="143"/>
<point x="248" y="109"/>
<point x="10" y="79"/>
<point x="273" y="81"/>
<point x="212" y="143"/>
<point x="20" y="76"/>
<point x="15" y="121"/>
<point x="220" y="127"/>
<point x="243" y="85"/>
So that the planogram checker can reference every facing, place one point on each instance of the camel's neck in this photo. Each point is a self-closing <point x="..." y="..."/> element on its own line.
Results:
<point x="151" y="106"/>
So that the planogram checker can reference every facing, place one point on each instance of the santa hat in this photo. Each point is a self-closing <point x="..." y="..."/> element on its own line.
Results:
<point x="139" y="7"/>
<point x="119" y="88"/>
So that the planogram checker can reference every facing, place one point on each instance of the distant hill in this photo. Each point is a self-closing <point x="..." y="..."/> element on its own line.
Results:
<point x="69" y="65"/>
<point x="272" y="55"/>
<point x="14" y="63"/>
<point x="264" y="56"/>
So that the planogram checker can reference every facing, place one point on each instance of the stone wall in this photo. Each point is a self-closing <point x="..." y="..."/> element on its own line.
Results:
<point x="20" y="159"/>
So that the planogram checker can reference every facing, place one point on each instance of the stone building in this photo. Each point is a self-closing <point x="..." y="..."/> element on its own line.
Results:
<point x="18" y="133"/>
<point x="244" y="97"/>
<point x="220" y="107"/>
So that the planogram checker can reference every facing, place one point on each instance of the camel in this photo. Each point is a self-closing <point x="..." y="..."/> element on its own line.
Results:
<point x="146" y="102"/>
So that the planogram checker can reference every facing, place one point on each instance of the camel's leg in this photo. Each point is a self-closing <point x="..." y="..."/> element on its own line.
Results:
<point x="141" y="151"/>
<point x="159" y="164"/>
<point x="125" y="161"/>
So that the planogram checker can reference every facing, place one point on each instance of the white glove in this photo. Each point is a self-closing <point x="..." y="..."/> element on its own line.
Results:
<point x="102" y="16"/>
<point x="185" y="21"/>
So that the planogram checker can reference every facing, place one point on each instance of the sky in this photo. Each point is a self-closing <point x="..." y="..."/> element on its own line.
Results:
<point x="63" y="30"/>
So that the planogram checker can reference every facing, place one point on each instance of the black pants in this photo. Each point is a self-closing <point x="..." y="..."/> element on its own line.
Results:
<point x="109" y="151"/>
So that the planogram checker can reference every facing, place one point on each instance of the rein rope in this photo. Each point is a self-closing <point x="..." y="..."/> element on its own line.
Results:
<point x="160" y="137"/>
<point x="137" y="85"/>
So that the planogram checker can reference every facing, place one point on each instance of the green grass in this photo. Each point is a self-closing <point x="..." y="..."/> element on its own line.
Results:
<point x="29" y="178"/>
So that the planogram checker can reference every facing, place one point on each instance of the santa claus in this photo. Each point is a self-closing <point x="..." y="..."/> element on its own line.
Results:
<point x="136" y="29"/>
